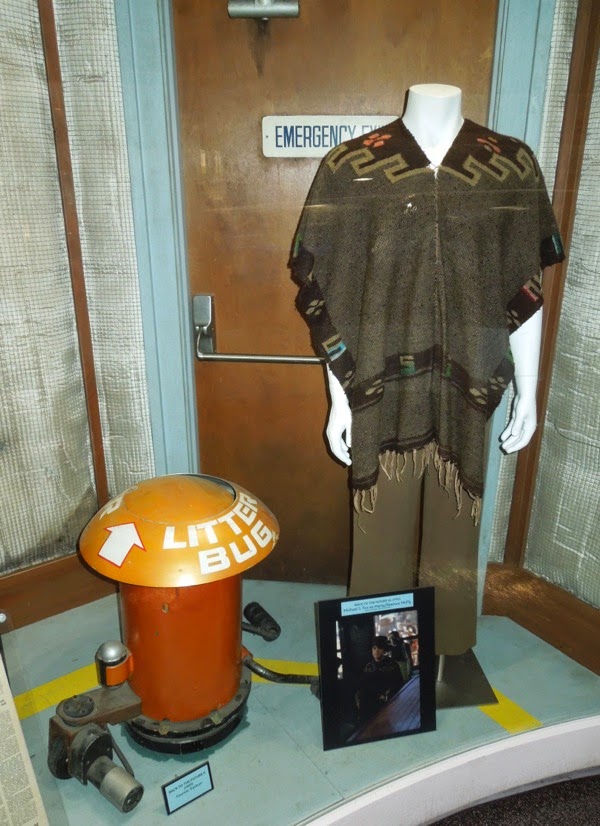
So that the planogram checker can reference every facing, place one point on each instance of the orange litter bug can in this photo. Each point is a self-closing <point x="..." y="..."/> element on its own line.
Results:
<point x="178" y="545"/>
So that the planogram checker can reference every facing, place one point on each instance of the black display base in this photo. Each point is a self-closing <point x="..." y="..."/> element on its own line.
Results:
<point x="192" y="735"/>
<point x="461" y="682"/>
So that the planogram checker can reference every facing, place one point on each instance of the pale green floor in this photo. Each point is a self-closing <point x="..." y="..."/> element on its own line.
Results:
<point x="272" y="771"/>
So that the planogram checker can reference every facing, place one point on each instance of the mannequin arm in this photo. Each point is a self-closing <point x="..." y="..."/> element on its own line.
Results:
<point x="339" y="423"/>
<point x="525" y="344"/>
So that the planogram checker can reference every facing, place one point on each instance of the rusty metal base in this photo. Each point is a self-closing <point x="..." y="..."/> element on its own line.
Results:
<point x="192" y="735"/>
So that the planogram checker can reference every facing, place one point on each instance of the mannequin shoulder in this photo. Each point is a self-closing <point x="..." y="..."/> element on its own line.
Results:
<point x="497" y="142"/>
<point x="496" y="149"/>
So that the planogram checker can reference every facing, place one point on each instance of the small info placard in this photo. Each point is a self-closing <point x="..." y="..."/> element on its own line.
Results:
<point x="188" y="787"/>
<point x="393" y="602"/>
<point x="312" y="136"/>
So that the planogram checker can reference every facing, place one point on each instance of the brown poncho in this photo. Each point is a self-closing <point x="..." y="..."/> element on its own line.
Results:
<point x="411" y="280"/>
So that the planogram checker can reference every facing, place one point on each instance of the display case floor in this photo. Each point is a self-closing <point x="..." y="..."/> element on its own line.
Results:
<point x="272" y="771"/>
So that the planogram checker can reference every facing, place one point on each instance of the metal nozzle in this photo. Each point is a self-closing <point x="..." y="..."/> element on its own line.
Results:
<point x="115" y="784"/>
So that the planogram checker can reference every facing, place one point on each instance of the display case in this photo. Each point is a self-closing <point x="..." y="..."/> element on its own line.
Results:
<point x="154" y="195"/>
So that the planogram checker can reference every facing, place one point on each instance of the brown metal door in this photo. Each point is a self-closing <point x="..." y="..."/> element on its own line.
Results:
<point x="262" y="425"/>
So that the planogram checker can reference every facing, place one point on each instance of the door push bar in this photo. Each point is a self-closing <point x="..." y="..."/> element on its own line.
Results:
<point x="203" y="311"/>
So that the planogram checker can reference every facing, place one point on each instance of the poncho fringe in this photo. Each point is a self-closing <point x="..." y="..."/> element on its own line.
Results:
<point x="393" y="464"/>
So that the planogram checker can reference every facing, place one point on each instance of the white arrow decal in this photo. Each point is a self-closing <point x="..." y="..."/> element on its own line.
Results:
<point x="121" y="540"/>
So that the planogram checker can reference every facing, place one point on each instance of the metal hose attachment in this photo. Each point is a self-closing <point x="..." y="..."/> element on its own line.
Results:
<point x="277" y="676"/>
<point x="260" y="622"/>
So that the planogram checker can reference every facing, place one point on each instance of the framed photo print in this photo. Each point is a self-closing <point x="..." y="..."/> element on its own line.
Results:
<point x="377" y="666"/>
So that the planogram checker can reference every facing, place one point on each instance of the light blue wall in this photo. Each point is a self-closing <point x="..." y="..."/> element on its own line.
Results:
<point x="521" y="58"/>
<point x="145" y="37"/>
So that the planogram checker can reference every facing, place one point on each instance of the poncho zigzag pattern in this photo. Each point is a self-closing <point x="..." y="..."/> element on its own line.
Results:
<point x="411" y="280"/>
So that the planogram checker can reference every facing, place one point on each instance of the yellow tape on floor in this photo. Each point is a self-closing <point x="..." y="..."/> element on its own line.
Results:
<point x="509" y="715"/>
<point x="286" y="667"/>
<point x="51" y="693"/>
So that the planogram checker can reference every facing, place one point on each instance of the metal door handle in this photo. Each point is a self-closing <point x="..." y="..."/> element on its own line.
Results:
<point x="206" y="339"/>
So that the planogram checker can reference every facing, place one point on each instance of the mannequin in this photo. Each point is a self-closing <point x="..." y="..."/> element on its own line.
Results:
<point x="433" y="115"/>
<point x="418" y="257"/>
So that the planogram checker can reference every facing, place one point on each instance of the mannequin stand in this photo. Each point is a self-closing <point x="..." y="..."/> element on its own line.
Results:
<point x="460" y="682"/>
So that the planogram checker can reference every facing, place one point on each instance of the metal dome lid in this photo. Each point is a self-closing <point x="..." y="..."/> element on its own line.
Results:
<point x="179" y="530"/>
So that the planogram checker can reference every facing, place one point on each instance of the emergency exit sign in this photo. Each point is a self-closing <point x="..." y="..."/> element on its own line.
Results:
<point x="312" y="136"/>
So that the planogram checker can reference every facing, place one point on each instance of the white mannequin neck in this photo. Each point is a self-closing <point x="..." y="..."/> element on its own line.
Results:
<point x="433" y="116"/>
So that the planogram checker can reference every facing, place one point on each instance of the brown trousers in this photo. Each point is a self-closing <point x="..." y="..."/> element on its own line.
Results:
<point x="415" y="538"/>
